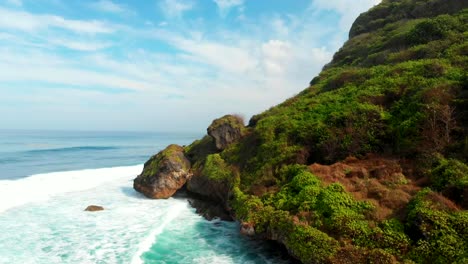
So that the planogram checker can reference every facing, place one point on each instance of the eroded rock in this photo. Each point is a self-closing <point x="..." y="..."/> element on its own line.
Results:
<point x="164" y="173"/>
<point x="226" y="130"/>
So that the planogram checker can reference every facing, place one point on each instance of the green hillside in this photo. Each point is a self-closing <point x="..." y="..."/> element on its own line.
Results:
<point x="369" y="163"/>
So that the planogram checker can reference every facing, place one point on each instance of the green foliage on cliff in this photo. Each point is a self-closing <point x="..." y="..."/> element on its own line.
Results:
<point x="172" y="153"/>
<point x="441" y="234"/>
<point x="216" y="169"/>
<point x="449" y="173"/>
<point x="398" y="86"/>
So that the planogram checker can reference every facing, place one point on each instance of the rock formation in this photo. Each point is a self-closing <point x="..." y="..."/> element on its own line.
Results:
<point x="164" y="173"/>
<point x="395" y="89"/>
<point x="226" y="130"/>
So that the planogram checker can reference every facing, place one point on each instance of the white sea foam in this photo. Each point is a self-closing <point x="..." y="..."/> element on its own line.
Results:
<point x="131" y="229"/>
<point x="146" y="244"/>
<point x="41" y="187"/>
<point x="55" y="229"/>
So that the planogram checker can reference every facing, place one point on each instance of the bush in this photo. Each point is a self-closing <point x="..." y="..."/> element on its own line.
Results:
<point x="432" y="29"/>
<point x="311" y="245"/>
<point x="449" y="173"/>
<point x="435" y="229"/>
<point x="216" y="169"/>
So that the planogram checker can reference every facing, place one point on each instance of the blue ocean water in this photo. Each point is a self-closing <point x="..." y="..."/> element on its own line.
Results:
<point x="47" y="178"/>
<point x="24" y="153"/>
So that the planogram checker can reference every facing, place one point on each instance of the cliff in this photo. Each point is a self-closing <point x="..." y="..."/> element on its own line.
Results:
<point x="369" y="163"/>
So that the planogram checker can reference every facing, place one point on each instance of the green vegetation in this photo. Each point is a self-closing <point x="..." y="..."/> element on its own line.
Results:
<point x="173" y="153"/>
<point x="398" y="87"/>
<point x="216" y="169"/>
<point x="441" y="233"/>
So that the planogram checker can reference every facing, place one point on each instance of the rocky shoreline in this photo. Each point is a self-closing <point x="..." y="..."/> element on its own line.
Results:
<point x="366" y="165"/>
<point x="171" y="171"/>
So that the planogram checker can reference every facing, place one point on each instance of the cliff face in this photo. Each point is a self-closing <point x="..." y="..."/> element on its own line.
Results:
<point x="368" y="164"/>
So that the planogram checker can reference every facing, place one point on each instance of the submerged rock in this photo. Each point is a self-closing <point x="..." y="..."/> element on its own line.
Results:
<point x="94" y="208"/>
<point x="164" y="173"/>
<point x="226" y="130"/>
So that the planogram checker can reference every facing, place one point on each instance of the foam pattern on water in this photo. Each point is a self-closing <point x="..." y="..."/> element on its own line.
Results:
<point x="43" y="221"/>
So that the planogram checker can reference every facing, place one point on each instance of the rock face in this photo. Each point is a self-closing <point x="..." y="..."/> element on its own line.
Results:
<point x="226" y="130"/>
<point x="94" y="208"/>
<point x="217" y="191"/>
<point x="164" y="173"/>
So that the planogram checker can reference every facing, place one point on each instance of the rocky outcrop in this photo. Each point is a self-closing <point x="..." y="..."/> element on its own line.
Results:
<point x="94" y="208"/>
<point x="226" y="130"/>
<point x="164" y="173"/>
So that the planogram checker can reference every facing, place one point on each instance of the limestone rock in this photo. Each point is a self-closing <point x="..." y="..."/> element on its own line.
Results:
<point x="164" y="173"/>
<point x="226" y="130"/>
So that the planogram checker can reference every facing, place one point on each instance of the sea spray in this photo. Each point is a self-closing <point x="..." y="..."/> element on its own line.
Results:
<point x="146" y="244"/>
<point x="40" y="187"/>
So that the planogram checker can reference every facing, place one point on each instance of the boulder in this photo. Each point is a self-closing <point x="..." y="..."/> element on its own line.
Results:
<point x="164" y="173"/>
<point x="226" y="130"/>
<point x="94" y="208"/>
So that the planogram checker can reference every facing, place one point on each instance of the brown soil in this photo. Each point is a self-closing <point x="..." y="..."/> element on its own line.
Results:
<point x="376" y="179"/>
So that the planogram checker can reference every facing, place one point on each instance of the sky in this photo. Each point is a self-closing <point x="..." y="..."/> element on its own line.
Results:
<point x="160" y="65"/>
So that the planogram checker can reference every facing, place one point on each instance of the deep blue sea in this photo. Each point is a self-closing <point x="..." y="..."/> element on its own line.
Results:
<point x="48" y="178"/>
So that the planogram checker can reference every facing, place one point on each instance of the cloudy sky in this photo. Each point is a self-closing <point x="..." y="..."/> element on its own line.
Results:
<point x="160" y="65"/>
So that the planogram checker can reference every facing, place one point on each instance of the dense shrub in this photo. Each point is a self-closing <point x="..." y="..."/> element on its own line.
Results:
<point x="435" y="229"/>
<point x="449" y="173"/>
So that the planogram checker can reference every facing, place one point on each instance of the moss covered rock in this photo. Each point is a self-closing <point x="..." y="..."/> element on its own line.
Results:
<point x="164" y="173"/>
<point x="226" y="130"/>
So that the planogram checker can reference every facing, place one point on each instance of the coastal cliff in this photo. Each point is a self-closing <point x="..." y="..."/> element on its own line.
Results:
<point x="366" y="165"/>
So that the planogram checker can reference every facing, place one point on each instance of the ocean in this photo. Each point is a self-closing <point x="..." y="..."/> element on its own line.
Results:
<point x="48" y="178"/>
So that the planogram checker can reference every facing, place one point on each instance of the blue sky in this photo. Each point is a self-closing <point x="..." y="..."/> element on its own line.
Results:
<point x="160" y="65"/>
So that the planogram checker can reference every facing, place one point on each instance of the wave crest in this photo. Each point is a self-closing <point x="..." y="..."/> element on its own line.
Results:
<point x="41" y="187"/>
<point x="72" y="149"/>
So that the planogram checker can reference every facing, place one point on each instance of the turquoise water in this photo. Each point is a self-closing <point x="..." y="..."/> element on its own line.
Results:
<point x="48" y="178"/>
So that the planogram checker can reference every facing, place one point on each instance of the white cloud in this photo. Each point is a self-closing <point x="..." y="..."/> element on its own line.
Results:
<point x="175" y="8"/>
<point x="348" y="9"/>
<point x="43" y="67"/>
<point x="109" y="6"/>
<point x="225" y="6"/>
<point x="24" y="21"/>
<point x="280" y="27"/>
<point x="208" y="72"/>
<point x="79" y="45"/>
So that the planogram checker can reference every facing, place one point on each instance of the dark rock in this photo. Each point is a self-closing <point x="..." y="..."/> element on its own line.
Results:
<point x="164" y="173"/>
<point x="94" y="208"/>
<point x="209" y="209"/>
<point x="217" y="191"/>
<point x="226" y="130"/>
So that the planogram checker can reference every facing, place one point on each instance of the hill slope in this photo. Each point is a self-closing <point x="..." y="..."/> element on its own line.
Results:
<point x="368" y="164"/>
